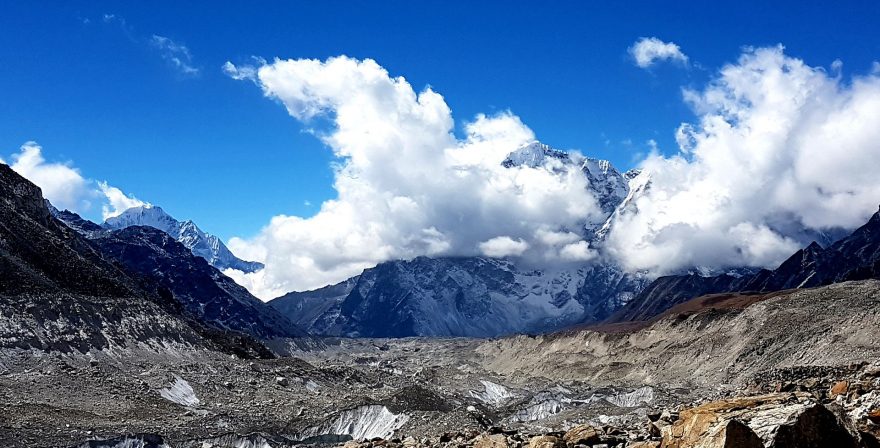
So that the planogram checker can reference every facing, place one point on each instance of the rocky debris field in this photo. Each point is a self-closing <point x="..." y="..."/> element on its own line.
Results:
<point x="812" y="407"/>
<point x="713" y="348"/>
<point x="414" y="393"/>
<point x="799" y="369"/>
<point x="351" y="389"/>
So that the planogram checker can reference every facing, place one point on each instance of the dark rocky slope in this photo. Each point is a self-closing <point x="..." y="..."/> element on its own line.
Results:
<point x="202" y="290"/>
<point x="460" y="296"/>
<point x="57" y="292"/>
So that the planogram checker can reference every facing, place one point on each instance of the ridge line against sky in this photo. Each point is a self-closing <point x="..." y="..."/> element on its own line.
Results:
<point x="406" y="183"/>
<point x="764" y="114"/>
<point x="102" y="95"/>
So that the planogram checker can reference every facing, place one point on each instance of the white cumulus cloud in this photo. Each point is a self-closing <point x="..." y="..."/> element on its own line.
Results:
<point x="65" y="187"/>
<point x="503" y="246"/>
<point x="406" y="185"/>
<point x="648" y="50"/>
<point x="578" y="251"/>
<point x="245" y="72"/>
<point x="781" y="152"/>
<point x="117" y="201"/>
<point x="62" y="184"/>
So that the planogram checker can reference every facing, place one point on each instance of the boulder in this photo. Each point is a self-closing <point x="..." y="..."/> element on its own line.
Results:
<point x="646" y="444"/>
<point x="779" y="420"/>
<point x="582" y="435"/>
<point x="546" y="442"/>
<point x="707" y="430"/>
<point x="491" y="441"/>
<point x="839" y="388"/>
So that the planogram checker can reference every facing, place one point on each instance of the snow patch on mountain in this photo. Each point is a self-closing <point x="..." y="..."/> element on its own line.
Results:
<point x="466" y="296"/>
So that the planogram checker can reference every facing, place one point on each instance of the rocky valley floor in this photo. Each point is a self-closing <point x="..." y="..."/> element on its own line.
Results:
<point x="784" y="370"/>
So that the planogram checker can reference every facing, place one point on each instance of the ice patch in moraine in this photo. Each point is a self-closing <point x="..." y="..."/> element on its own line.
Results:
<point x="364" y="422"/>
<point x="493" y="393"/>
<point x="642" y="395"/>
<point x="180" y="392"/>
<point x="144" y="441"/>
<point x="538" y="411"/>
<point x="154" y="441"/>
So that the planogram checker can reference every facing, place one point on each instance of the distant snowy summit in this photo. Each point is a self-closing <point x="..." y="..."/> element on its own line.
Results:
<point x="200" y="243"/>
<point x="480" y="296"/>
<point x="609" y="186"/>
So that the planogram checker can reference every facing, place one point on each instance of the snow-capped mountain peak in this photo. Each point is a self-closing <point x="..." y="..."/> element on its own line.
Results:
<point x="187" y="232"/>
<point x="607" y="183"/>
<point x="533" y="155"/>
<point x="144" y="215"/>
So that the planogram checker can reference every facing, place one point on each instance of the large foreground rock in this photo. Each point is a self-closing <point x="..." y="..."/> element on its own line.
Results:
<point x="773" y="420"/>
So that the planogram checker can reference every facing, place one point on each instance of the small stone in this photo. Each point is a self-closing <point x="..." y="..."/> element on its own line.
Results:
<point x="811" y="383"/>
<point x="838" y="389"/>
<point x="648" y="444"/>
<point x="281" y="381"/>
<point x="582" y="434"/>
<point x="546" y="442"/>
<point x="491" y="441"/>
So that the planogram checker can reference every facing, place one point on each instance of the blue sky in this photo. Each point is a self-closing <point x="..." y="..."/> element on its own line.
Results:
<point x="100" y="92"/>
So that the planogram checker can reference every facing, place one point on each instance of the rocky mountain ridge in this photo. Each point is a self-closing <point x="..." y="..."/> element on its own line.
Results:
<point x="446" y="296"/>
<point x="467" y="296"/>
<point x="478" y="296"/>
